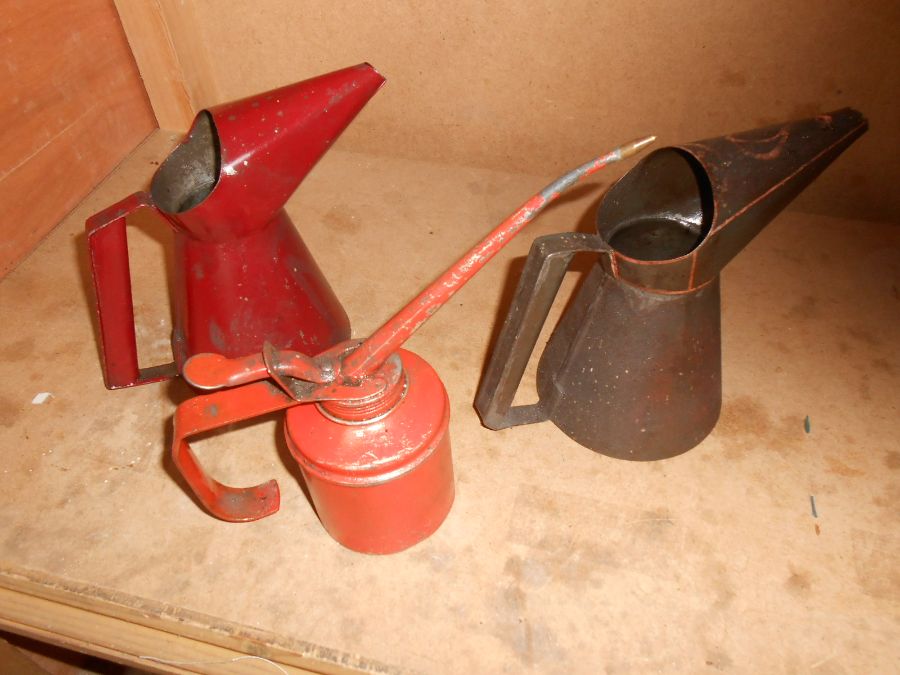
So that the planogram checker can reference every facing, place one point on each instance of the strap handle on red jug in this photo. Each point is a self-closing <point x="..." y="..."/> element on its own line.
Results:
<point x="541" y="278"/>
<point x="108" y="245"/>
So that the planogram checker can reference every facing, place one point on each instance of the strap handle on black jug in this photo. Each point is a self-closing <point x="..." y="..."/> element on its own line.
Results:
<point x="541" y="278"/>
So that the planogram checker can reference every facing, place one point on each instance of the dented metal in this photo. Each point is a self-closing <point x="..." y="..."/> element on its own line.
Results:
<point x="633" y="369"/>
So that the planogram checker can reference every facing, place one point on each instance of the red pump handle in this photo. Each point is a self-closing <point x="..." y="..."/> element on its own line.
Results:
<point x="108" y="245"/>
<point x="213" y="411"/>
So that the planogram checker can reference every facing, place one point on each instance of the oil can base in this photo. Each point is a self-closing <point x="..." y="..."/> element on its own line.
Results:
<point x="384" y="485"/>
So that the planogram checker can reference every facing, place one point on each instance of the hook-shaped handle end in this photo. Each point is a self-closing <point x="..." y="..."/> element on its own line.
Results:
<point x="206" y="413"/>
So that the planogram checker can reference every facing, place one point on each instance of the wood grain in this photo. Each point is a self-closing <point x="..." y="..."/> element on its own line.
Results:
<point x="71" y="106"/>
<point x="129" y="629"/>
<point x="165" y="39"/>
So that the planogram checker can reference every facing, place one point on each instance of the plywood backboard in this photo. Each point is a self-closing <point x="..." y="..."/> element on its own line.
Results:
<point x="537" y="86"/>
<point x="71" y="107"/>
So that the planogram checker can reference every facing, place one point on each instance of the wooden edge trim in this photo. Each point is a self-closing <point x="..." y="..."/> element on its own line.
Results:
<point x="123" y="628"/>
<point x="157" y="60"/>
<point x="175" y="67"/>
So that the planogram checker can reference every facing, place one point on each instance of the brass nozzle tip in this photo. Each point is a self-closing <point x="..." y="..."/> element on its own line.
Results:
<point x="636" y="146"/>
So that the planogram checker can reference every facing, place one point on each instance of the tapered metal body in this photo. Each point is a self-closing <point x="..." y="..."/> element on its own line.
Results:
<point x="633" y="368"/>
<point x="242" y="274"/>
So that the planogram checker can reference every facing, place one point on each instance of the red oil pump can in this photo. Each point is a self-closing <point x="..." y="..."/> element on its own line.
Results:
<point x="372" y="439"/>
<point x="242" y="275"/>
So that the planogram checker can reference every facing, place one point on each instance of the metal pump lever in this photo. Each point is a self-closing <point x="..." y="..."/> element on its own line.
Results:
<point x="351" y="371"/>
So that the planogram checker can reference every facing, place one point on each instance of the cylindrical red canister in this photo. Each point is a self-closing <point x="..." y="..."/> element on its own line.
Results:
<point x="381" y="485"/>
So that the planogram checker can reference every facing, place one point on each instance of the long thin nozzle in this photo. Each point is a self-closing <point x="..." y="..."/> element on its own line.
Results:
<point x="369" y="356"/>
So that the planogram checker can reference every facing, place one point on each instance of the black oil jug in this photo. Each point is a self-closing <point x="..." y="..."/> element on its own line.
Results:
<point x="633" y="368"/>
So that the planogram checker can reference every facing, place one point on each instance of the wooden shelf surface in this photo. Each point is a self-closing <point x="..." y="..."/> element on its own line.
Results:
<point x="553" y="558"/>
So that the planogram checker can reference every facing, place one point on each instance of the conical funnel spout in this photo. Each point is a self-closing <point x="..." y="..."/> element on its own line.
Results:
<point x="683" y="212"/>
<point x="241" y="161"/>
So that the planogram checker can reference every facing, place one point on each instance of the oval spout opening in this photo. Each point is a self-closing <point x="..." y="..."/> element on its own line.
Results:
<point x="190" y="172"/>
<point x="660" y="210"/>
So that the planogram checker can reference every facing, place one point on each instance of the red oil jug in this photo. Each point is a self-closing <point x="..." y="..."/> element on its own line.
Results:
<point x="372" y="439"/>
<point x="242" y="275"/>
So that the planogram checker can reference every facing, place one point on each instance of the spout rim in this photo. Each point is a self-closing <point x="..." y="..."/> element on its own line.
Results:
<point x="366" y="64"/>
<point x="163" y="203"/>
<point x="712" y="217"/>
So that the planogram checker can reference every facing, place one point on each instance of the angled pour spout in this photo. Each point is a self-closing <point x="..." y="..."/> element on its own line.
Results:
<point x="680" y="215"/>
<point x="633" y="368"/>
<point x="242" y="274"/>
<point x="241" y="161"/>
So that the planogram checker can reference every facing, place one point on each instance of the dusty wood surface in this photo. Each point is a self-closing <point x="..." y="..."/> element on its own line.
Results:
<point x="71" y="106"/>
<point x="553" y="559"/>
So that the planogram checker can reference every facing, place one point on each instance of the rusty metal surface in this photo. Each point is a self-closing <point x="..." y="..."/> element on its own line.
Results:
<point x="633" y="369"/>
<point x="242" y="274"/>
<point x="645" y="382"/>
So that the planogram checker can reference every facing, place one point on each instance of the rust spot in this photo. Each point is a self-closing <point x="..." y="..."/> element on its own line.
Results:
<point x="20" y="350"/>
<point x="806" y="308"/>
<point x="742" y="416"/>
<point x="732" y="78"/>
<point x="217" y="337"/>
<point x="863" y="336"/>
<point x="837" y="467"/>
<point x="748" y="428"/>
<point x="342" y="219"/>
<point x="719" y="660"/>
<point x="781" y="347"/>
<point x="883" y="365"/>
<point x="798" y="582"/>
<point x="9" y="412"/>
<point x="865" y="391"/>
<point x="779" y="139"/>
